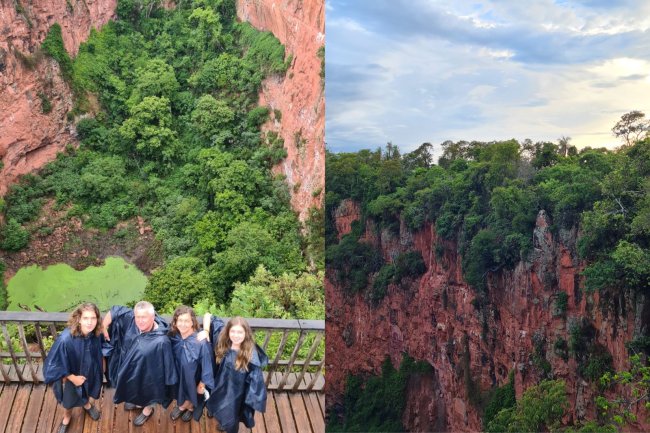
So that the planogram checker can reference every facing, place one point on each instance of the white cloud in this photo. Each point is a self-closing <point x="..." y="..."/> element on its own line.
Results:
<point x="404" y="82"/>
<point x="347" y="25"/>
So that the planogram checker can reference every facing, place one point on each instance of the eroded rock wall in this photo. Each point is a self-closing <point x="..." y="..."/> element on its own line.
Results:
<point x="439" y="319"/>
<point x="299" y="95"/>
<point x="29" y="138"/>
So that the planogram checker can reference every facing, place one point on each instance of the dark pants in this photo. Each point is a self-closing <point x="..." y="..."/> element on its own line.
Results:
<point x="68" y="395"/>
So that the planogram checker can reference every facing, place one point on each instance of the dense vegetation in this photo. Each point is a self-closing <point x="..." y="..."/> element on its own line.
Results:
<point x="376" y="403"/>
<point x="486" y="196"/>
<point x="170" y="131"/>
<point x="540" y="408"/>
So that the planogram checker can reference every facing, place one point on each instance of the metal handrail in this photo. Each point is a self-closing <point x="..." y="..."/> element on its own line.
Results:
<point x="292" y="367"/>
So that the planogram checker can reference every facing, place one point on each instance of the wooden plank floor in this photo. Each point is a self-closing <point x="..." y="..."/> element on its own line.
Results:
<point x="31" y="408"/>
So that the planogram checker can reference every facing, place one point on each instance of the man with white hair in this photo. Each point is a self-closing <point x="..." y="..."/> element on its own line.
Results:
<point x="140" y="359"/>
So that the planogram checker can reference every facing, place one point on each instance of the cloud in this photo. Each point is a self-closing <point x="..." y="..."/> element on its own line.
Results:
<point x="410" y="71"/>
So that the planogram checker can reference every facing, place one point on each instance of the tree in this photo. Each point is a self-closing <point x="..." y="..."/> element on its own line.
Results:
<point x="247" y="246"/>
<point x="564" y="149"/>
<point x="103" y="179"/>
<point x="225" y="74"/>
<point x="282" y="297"/>
<point x="211" y="116"/>
<point x="632" y="127"/>
<point x="13" y="236"/>
<point x="181" y="281"/>
<point x="541" y="407"/>
<point x="636" y="382"/>
<point x="420" y="157"/>
<point x="149" y="127"/>
<point x="207" y="29"/>
<point x="155" y="78"/>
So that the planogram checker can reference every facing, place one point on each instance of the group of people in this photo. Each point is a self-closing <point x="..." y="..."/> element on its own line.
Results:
<point x="150" y="362"/>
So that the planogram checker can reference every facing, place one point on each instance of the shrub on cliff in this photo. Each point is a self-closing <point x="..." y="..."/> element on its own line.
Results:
<point x="501" y="398"/>
<point x="263" y="50"/>
<point x="13" y="236"/>
<point x="352" y="262"/>
<point x="376" y="403"/>
<point x="53" y="46"/>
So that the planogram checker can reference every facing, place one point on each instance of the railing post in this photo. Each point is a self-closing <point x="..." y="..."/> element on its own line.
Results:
<point x="273" y="367"/>
<point x="23" y="342"/>
<point x="310" y="355"/>
<point x="294" y="354"/>
<point x="11" y="352"/>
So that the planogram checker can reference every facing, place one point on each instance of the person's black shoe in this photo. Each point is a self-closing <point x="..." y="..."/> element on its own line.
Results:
<point x="92" y="412"/>
<point x="175" y="413"/>
<point x="187" y="415"/>
<point x="129" y="406"/>
<point x="142" y="418"/>
<point x="62" y="428"/>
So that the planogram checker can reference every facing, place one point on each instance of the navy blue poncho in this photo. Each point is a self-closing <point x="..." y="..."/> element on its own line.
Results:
<point x="81" y="356"/>
<point x="141" y="365"/>
<point x="194" y="363"/>
<point x="237" y="393"/>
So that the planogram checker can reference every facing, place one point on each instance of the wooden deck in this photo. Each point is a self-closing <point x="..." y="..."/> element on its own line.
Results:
<point x="294" y="380"/>
<point x="30" y="408"/>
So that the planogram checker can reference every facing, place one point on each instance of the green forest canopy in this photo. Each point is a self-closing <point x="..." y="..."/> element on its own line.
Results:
<point x="486" y="196"/>
<point x="176" y="139"/>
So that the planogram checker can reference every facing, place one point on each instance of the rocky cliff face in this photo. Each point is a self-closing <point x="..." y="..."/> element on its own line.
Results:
<point x="300" y="26"/>
<point x="470" y="343"/>
<point x="30" y="137"/>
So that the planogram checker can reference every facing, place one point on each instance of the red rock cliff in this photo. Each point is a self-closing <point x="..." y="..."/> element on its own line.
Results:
<point x="435" y="320"/>
<point x="30" y="138"/>
<point x="300" y="26"/>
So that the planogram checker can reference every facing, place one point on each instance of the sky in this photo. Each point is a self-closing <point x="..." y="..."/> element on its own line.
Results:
<point x="415" y="71"/>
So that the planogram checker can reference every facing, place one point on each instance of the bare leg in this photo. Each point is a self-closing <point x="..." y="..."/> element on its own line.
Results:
<point x="67" y="414"/>
<point x="147" y="410"/>
<point x="187" y="405"/>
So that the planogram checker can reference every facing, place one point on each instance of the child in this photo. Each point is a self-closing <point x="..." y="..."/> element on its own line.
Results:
<point x="239" y="384"/>
<point x="74" y="363"/>
<point x="193" y="362"/>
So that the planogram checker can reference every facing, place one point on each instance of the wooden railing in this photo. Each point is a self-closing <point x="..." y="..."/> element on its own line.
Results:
<point x="295" y="348"/>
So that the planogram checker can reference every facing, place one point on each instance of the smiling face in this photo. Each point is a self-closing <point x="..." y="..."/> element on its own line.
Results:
<point x="237" y="335"/>
<point x="185" y="324"/>
<point x="87" y="321"/>
<point x="144" y="320"/>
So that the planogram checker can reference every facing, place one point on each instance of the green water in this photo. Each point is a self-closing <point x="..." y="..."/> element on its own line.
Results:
<point x="61" y="288"/>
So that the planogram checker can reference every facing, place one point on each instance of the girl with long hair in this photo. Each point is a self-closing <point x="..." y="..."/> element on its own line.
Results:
<point x="239" y="388"/>
<point x="74" y="364"/>
<point x="193" y="362"/>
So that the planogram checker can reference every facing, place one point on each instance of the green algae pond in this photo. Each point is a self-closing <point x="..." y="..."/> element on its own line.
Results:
<point x="61" y="288"/>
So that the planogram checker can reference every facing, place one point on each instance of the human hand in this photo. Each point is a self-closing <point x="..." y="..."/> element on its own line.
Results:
<point x="77" y="380"/>
<point x="108" y="319"/>
<point x="203" y="335"/>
